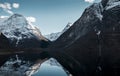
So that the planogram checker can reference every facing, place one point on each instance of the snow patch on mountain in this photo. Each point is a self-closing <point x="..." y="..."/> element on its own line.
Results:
<point x="112" y="5"/>
<point x="112" y="1"/>
<point x="97" y="9"/>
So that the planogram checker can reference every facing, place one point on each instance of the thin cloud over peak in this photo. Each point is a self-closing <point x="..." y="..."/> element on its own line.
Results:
<point x="31" y="19"/>
<point x="89" y="1"/>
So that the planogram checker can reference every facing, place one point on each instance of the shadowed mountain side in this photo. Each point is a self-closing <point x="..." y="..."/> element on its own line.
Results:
<point x="80" y="59"/>
<point x="91" y="46"/>
<point x="4" y="42"/>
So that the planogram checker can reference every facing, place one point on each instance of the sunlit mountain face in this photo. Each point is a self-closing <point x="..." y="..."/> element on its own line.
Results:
<point x="60" y="38"/>
<point x="21" y="32"/>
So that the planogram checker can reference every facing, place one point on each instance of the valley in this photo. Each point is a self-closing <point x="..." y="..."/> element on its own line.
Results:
<point x="88" y="47"/>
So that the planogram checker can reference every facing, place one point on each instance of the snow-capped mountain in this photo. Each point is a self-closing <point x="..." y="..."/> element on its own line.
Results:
<point x="54" y="36"/>
<point x="17" y="28"/>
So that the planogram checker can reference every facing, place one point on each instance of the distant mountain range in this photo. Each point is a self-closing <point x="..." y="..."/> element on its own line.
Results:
<point x="55" y="36"/>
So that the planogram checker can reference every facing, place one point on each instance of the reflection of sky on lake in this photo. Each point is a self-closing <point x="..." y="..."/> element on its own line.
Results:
<point x="46" y="69"/>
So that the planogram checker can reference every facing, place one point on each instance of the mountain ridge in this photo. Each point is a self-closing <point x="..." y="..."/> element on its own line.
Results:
<point x="20" y="32"/>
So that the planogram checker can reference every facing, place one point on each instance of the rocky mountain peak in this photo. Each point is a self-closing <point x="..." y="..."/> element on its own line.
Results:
<point x="109" y="2"/>
<point x="16" y="15"/>
<point x="67" y="27"/>
<point x="16" y="20"/>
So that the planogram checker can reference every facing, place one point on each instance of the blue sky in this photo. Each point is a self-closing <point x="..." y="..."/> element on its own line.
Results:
<point x="51" y="15"/>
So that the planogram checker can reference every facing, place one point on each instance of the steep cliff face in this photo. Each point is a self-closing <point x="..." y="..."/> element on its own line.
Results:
<point x="91" y="46"/>
<point x="90" y="18"/>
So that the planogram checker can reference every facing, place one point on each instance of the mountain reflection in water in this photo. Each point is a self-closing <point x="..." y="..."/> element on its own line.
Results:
<point x="50" y="68"/>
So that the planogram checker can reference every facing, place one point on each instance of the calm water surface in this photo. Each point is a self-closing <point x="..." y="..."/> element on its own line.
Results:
<point x="50" y="68"/>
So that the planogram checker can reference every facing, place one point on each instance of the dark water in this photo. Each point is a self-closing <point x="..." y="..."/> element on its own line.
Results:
<point x="50" y="69"/>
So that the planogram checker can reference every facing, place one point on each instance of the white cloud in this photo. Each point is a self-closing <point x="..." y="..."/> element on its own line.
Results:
<point x="16" y="5"/>
<point x="90" y="1"/>
<point x="8" y="11"/>
<point x="31" y="19"/>
<point x="6" y="7"/>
